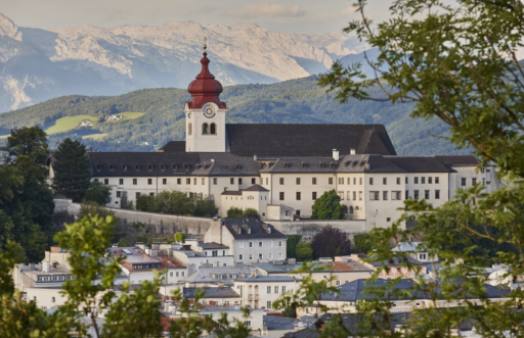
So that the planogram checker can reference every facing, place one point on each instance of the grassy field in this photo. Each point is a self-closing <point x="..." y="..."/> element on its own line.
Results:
<point x="96" y="137"/>
<point x="68" y="123"/>
<point x="131" y="115"/>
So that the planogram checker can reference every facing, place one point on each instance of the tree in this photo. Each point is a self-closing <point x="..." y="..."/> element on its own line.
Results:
<point x="26" y="202"/>
<point x="304" y="251"/>
<point x="330" y="242"/>
<point x="291" y="246"/>
<point x="328" y="206"/>
<point x="180" y="237"/>
<point x="362" y="243"/>
<point x="97" y="193"/>
<point x="235" y="213"/>
<point x="251" y="213"/>
<point x="455" y="61"/>
<point x="176" y="203"/>
<point x="71" y="170"/>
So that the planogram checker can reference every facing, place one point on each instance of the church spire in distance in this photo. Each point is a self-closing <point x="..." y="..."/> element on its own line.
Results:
<point x="204" y="88"/>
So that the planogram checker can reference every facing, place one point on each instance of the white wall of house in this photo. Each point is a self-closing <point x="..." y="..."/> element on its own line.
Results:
<point x="262" y="294"/>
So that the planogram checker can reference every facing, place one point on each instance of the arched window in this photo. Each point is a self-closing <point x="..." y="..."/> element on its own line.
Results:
<point x="204" y="129"/>
<point x="189" y="128"/>
<point x="213" y="129"/>
<point x="351" y="209"/>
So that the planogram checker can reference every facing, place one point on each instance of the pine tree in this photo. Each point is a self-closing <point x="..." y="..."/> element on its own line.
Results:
<point x="71" y="170"/>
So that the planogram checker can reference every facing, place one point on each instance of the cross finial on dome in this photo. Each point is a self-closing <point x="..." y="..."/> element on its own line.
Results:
<point x="204" y="47"/>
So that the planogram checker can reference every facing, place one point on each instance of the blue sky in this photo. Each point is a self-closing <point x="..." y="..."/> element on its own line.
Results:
<point x="280" y="15"/>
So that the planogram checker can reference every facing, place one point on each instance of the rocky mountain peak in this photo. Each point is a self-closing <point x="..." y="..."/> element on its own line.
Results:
<point x="9" y="29"/>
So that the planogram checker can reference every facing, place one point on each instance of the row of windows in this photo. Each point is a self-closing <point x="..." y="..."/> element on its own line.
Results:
<point x="260" y="244"/>
<point x="298" y="180"/>
<point x="275" y="289"/>
<point x="416" y="180"/>
<point x="396" y="195"/>
<point x="315" y="195"/>
<point x="179" y="181"/>
<point x="260" y="257"/>
<point x="177" y="273"/>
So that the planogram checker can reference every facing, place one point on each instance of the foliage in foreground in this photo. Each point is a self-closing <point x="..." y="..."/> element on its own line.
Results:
<point x="455" y="61"/>
<point x="91" y="292"/>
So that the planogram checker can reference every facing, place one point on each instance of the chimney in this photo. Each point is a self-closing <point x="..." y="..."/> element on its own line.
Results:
<point x="336" y="155"/>
<point x="352" y="151"/>
<point x="255" y="157"/>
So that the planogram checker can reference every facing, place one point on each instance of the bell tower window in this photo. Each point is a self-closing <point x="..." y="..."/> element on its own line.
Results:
<point x="205" y="130"/>
<point x="213" y="129"/>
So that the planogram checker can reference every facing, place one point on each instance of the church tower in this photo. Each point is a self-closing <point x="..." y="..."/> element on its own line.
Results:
<point x="205" y="113"/>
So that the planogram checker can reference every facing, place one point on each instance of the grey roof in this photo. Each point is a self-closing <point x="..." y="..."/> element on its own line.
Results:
<point x="272" y="322"/>
<point x="307" y="139"/>
<point x="251" y="228"/>
<point x="232" y="192"/>
<point x="136" y="164"/>
<point x="255" y="187"/>
<point x="267" y="279"/>
<point x="314" y="164"/>
<point x="362" y="289"/>
<point x="165" y="164"/>
<point x="212" y="245"/>
<point x="211" y="292"/>
<point x="392" y="164"/>
<point x="458" y="160"/>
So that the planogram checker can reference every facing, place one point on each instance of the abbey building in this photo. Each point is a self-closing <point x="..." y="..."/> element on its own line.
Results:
<point x="281" y="169"/>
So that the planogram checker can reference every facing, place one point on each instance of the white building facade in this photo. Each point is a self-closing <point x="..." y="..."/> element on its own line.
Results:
<point x="281" y="169"/>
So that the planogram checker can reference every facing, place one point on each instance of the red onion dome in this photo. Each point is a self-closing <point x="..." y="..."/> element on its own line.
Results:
<point x="204" y="88"/>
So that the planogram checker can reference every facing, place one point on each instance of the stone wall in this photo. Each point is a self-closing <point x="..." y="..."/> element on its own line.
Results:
<point x="167" y="224"/>
<point x="161" y="223"/>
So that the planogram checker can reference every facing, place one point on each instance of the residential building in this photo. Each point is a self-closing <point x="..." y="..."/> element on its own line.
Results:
<point x="250" y="239"/>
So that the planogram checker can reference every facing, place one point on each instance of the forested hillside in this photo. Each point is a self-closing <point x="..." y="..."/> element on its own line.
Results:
<point x="146" y="119"/>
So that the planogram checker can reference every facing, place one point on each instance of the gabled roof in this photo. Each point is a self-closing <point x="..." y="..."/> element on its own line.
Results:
<point x="307" y="139"/>
<point x="211" y="292"/>
<point x="251" y="228"/>
<point x="459" y="160"/>
<point x="162" y="164"/>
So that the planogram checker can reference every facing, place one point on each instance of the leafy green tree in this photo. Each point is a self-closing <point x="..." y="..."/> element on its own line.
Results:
<point x="362" y="243"/>
<point x="26" y="202"/>
<point x="304" y="251"/>
<point x="455" y="61"/>
<point x="30" y="142"/>
<point x="251" y="213"/>
<point x="71" y="170"/>
<point x="328" y="206"/>
<point x="330" y="242"/>
<point x="176" y="203"/>
<point x="180" y="237"/>
<point x="98" y="193"/>
<point x="308" y="293"/>
<point x="291" y="246"/>
<point x="235" y="213"/>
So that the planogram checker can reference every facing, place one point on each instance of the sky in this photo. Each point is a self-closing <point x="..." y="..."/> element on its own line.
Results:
<point x="278" y="15"/>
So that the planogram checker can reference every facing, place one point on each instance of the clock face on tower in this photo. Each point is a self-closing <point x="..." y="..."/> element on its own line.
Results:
<point x="209" y="110"/>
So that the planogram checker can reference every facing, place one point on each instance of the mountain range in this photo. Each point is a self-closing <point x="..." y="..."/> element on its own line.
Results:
<point x="38" y="64"/>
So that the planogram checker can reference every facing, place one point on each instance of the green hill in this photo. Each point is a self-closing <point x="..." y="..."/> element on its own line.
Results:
<point x="146" y="119"/>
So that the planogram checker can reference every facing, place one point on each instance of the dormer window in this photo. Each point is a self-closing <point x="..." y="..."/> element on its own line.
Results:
<point x="213" y="129"/>
<point x="205" y="130"/>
